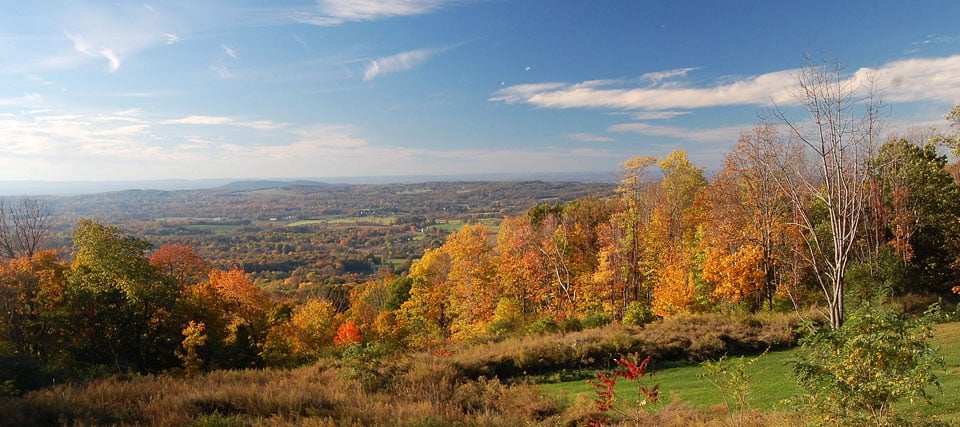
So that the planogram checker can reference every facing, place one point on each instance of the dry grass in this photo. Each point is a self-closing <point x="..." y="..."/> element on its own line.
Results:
<point x="678" y="338"/>
<point x="423" y="395"/>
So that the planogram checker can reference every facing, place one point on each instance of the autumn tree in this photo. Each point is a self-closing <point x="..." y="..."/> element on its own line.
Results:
<point x="32" y="318"/>
<point x="246" y="308"/>
<point x="123" y="306"/>
<point x="674" y="234"/>
<point x="747" y="224"/>
<point x="624" y="254"/>
<point x="521" y="268"/>
<point x="426" y="314"/>
<point x="841" y="121"/>
<point x="181" y="263"/>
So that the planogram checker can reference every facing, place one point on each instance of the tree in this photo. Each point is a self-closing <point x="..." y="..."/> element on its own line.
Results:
<point x="674" y="235"/>
<point x="842" y="120"/>
<point x="920" y="202"/>
<point x="24" y="226"/>
<point x="181" y="263"/>
<point x="747" y="210"/>
<point x="856" y="373"/>
<point x="123" y="305"/>
<point x="246" y="307"/>
<point x="31" y="305"/>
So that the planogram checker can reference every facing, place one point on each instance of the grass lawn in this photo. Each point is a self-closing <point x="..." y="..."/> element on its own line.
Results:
<point x="772" y="382"/>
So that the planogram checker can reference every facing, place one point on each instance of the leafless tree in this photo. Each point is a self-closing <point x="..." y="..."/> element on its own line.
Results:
<point x="23" y="226"/>
<point x="838" y="131"/>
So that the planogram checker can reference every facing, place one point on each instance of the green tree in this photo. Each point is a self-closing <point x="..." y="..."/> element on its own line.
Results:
<point x="921" y="206"/>
<point x="857" y="372"/>
<point x="121" y="305"/>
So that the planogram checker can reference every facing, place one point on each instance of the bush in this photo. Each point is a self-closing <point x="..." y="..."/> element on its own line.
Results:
<point x="878" y="357"/>
<point x="595" y="320"/>
<point x="637" y="314"/>
<point x="544" y="325"/>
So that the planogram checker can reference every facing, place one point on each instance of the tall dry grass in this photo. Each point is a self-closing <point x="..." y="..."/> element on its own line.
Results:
<point x="678" y="338"/>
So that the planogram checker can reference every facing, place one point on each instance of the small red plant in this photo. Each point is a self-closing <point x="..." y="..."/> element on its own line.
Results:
<point x="347" y="334"/>
<point x="605" y="388"/>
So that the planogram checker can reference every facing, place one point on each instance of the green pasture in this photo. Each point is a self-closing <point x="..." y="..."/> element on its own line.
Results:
<point x="773" y="385"/>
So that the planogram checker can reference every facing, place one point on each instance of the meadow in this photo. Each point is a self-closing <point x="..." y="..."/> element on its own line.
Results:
<point x="452" y="389"/>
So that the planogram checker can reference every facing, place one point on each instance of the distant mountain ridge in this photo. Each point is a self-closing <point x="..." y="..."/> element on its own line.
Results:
<point x="62" y="188"/>
<point x="254" y="185"/>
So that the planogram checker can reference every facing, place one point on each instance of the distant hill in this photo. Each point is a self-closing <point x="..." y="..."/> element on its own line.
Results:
<point x="267" y="184"/>
<point x="65" y="188"/>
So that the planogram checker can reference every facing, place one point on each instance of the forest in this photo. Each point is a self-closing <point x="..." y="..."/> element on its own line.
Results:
<point x="809" y="229"/>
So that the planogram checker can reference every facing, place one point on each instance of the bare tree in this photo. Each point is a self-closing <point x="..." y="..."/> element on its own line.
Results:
<point x="838" y="132"/>
<point x="23" y="226"/>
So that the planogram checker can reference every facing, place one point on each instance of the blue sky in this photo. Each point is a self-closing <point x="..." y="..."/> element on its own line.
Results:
<point x="125" y="90"/>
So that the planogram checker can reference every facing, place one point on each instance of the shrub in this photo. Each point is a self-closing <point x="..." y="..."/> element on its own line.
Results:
<point x="878" y="357"/>
<point x="595" y="320"/>
<point x="637" y="314"/>
<point x="543" y="325"/>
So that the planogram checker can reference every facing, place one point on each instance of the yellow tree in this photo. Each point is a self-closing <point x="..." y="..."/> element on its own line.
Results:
<point x="748" y="206"/>
<point x="426" y="314"/>
<point x="674" y="232"/>
<point x="624" y="269"/>
<point x="521" y="268"/>
<point x="473" y="288"/>
<point x="246" y="307"/>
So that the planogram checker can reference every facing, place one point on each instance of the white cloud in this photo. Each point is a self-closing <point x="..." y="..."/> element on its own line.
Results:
<point x="171" y="38"/>
<point x="657" y="115"/>
<point x="28" y="99"/>
<point x="221" y="71"/>
<point x="597" y="94"/>
<point x="658" y="77"/>
<point x="113" y="61"/>
<point x="400" y="62"/>
<point x="231" y="52"/>
<point x="201" y="120"/>
<point x="905" y="81"/>
<point x="728" y="134"/>
<point x="587" y="137"/>
<point x="336" y="12"/>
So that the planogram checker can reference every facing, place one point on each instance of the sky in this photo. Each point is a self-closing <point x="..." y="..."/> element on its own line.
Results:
<point x="132" y="90"/>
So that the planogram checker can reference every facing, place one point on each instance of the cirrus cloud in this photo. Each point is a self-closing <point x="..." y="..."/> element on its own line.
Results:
<point x="400" y="62"/>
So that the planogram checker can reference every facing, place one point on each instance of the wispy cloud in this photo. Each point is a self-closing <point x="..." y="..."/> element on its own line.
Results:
<point x="113" y="61"/>
<point x="727" y="134"/>
<point x="221" y="71"/>
<point x="28" y="99"/>
<point x="400" y="62"/>
<point x="222" y="120"/>
<point x="336" y="12"/>
<point x="231" y="52"/>
<point x="171" y="38"/>
<point x="657" y="115"/>
<point x="937" y="39"/>
<point x="659" y="77"/>
<point x="200" y="120"/>
<point x="82" y="46"/>
<point x="907" y="80"/>
<point x="588" y="137"/>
